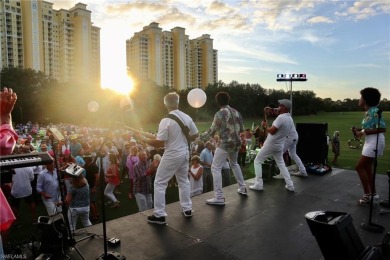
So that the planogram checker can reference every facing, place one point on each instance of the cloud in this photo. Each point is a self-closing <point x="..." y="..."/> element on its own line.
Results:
<point x="361" y="10"/>
<point x="177" y="18"/>
<point x="219" y="8"/>
<point x="320" y="19"/>
<point x="250" y="53"/>
<point x="281" y="15"/>
<point x="235" y="23"/>
<point x="234" y="69"/>
<point x="140" y="5"/>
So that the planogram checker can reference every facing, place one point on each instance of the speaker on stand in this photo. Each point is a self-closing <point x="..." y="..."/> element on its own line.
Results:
<point x="312" y="144"/>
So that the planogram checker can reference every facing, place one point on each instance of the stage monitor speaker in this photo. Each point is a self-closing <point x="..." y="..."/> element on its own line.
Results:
<point x="54" y="235"/>
<point x="312" y="144"/>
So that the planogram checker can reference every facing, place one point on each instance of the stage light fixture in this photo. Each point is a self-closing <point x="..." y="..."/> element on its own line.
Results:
<point x="291" y="77"/>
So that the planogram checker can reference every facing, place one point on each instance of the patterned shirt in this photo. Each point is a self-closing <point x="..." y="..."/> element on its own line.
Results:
<point x="370" y="119"/>
<point x="80" y="196"/>
<point x="142" y="182"/>
<point x="228" y="122"/>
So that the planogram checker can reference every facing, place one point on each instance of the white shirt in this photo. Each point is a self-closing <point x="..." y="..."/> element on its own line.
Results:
<point x="285" y="124"/>
<point x="196" y="185"/>
<point x="21" y="182"/>
<point x="170" y="131"/>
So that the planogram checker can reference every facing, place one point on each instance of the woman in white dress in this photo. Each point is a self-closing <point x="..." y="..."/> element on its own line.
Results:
<point x="195" y="176"/>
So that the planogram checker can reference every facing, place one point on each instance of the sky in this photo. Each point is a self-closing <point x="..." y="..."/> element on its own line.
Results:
<point x="342" y="46"/>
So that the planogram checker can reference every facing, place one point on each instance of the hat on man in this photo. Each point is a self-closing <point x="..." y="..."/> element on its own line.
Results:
<point x="87" y="156"/>
<point x="286" y="103"/>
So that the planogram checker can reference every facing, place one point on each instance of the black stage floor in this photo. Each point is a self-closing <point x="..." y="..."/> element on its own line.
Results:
<point x="265" y="225"/>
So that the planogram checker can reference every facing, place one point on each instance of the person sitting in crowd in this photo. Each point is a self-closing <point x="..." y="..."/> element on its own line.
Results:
<point x="195" y="175"/>
<point x="206" y="159"/>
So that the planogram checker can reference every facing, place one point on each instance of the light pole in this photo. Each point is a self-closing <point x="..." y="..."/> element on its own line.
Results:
<point x="290" y="78"/>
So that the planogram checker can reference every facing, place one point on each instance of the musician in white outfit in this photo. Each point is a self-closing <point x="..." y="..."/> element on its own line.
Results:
<point x="274" y="145"/>
<point x="175" y="160"/>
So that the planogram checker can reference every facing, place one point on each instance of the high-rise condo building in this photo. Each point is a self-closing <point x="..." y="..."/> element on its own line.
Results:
<point x="170" y="58"/>
<point x="61" y="43"/>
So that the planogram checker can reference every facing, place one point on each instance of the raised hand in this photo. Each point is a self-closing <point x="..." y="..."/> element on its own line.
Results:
<point x="7" y="102"/>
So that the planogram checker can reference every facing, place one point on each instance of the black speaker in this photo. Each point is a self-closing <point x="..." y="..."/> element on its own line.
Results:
<point x="336" y="235"/>
<point x="54" y="235"/>
<point x="312" y="144"/>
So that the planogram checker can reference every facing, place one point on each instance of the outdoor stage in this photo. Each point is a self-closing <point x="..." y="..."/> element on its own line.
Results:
<point x="265" y="225"/>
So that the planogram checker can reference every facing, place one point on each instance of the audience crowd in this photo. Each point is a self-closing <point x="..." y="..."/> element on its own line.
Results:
<point x="123" y="157"/>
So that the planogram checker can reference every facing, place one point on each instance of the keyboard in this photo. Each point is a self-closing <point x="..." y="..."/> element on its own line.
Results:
<point x="24" y="160"/>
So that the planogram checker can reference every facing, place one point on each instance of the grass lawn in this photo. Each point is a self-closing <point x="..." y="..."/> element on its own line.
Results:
<point x="336" y="121"/>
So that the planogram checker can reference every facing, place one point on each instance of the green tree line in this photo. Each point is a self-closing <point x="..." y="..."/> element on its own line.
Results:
<point x="42" y="99"/>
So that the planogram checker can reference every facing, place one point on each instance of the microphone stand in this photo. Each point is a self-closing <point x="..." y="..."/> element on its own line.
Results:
<point x="106" y="255"/>
<point x="372" y="226"/>
<point x="70" y="238"/>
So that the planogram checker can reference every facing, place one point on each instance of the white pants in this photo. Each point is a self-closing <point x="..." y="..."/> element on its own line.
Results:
<point x="75" y="213"/>
<point x="220" y="157"/>
<point x="144" y="202"/>
<point x="264" y="153"/>
<point x="165" y="171"/>
<point x="291" y="146"/>
<point x="109" y="192"/>
<point x="51" y="207"/>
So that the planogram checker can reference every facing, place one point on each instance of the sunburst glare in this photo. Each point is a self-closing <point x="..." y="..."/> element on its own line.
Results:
<point x="123" y="85"/>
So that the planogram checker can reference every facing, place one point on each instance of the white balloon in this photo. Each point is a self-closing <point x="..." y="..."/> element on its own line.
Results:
<point x="196" y="98"/>
<point x="93" y="106"/>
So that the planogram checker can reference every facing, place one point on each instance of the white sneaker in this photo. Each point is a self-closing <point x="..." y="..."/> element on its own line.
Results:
<point x="289" y="188"/>
<point x="256" y="187"/>
<point x="300" y="174"/>
<point x="279" y="177"/>
<point x="376" y="196"/>
<point x="215" y="201"/>
<point x="242" y="191"/>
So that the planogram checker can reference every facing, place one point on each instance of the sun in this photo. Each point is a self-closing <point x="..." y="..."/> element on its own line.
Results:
<point x="121" y="84"/>
<point x="114" y="73"/>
